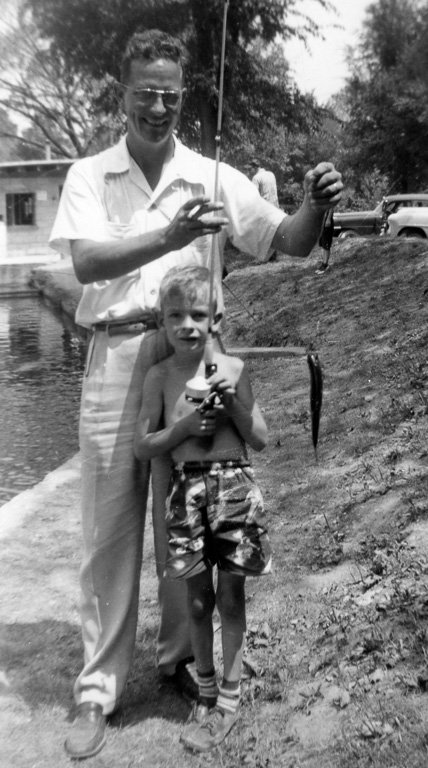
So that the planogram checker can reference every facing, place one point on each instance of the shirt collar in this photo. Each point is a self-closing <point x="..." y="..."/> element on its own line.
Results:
<point x="116" y="159"/>
<point x="185" y="164"/>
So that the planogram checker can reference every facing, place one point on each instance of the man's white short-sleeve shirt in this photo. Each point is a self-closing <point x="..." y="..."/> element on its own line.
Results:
<point x="107" y="197"/>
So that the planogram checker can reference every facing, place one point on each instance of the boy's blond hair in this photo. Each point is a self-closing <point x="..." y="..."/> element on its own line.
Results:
<point x="184" y="282"/>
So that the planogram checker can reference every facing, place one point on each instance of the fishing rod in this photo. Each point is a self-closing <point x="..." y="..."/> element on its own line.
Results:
<point x="197" y="389"/>
<point x="210" y="367"/>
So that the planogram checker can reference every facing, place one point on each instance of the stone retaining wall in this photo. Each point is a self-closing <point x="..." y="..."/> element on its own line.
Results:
<point x="58" y="283"/>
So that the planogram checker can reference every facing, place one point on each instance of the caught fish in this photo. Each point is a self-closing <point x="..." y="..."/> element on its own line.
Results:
<point x="316" y="395"/>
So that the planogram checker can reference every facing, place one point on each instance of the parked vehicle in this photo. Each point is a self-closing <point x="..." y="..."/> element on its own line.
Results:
<point x="364" y="223"/>
<point x="408" y="222"/>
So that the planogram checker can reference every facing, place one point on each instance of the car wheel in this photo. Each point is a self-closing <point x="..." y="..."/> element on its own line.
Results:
<point x="347" y="233"/>
<point x="408" y="232"/>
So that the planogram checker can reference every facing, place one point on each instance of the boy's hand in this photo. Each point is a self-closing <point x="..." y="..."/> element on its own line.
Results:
<point x="224" y="388"/>
<point x="201" y="424"/>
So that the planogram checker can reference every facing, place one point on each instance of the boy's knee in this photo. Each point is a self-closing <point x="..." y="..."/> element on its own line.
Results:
<point x="201" y="605"/>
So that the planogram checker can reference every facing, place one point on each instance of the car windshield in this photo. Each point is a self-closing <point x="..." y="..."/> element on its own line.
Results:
<point x="391" y="206"/>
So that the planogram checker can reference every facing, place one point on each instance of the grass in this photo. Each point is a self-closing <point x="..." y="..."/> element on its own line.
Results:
<point x="335" y="668"/>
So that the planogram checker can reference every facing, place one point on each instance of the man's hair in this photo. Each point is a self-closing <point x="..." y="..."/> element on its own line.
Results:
<point x="184" y="282"/>
<point x="152" y="45"/>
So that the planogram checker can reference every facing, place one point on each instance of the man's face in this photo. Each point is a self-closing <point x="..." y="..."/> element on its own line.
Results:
<point x="151" y="116"/>
<point x="186" y="321"/>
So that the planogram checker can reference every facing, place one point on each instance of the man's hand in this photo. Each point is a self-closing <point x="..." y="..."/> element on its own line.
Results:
<point x="194" y="220"/>
<point x="323" y="187"/>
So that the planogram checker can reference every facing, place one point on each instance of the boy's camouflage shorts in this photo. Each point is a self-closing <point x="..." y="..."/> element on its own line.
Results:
<point x="214" y="516"/>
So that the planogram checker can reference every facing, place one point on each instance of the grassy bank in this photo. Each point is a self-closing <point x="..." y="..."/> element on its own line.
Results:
<point x="335" y="671"/>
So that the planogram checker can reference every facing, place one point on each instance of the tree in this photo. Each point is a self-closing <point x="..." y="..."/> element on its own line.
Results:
<point x="93" y="36"/>
<point x="10" y="146"/>
<point x="56" y="100"/>
<point x="387" y="95"/>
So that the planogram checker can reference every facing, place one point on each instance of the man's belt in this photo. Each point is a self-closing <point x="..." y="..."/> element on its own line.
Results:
<point x="131" y="327"/>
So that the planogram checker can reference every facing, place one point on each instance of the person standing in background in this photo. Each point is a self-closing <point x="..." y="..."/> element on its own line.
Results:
<point x="265" y="182"/>
<point x="325" y="242"/>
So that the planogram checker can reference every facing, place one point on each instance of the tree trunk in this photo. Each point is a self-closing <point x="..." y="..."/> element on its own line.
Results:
<point x="205" y="33"/>
<point x="208" y="119"/>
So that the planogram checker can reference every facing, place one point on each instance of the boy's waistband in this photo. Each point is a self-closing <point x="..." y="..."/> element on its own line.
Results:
<point x="210" y="466"/>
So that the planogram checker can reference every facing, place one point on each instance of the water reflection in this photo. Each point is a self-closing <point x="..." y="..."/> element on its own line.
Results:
<point x="41" y="364"/>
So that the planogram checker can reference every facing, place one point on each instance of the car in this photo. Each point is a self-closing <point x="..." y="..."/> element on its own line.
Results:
<point x="408" y="222"/>
<point x="364" y="223"/>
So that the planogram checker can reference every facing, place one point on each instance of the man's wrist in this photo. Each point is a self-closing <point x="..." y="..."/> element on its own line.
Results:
<point x="162" y="242"/>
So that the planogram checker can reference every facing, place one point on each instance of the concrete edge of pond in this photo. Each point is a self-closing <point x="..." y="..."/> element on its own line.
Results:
<point x="58" y="283"/>
<point x="62" y="485"/>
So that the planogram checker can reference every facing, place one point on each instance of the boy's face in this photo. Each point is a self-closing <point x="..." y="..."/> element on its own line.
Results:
<point x="186" y="321"/>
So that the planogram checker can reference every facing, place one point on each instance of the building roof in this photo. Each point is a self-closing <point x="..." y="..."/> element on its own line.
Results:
<point x="34" y="167"/>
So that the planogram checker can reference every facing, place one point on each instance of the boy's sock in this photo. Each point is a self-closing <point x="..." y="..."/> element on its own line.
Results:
<point x="228" y="697"/>
<point x="208" y="688"/>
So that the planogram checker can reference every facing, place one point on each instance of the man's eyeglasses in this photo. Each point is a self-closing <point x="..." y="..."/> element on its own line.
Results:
<point x="148" y="96"/>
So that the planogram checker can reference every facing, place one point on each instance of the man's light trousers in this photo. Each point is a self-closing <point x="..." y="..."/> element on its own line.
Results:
<point x="114" y="496"/>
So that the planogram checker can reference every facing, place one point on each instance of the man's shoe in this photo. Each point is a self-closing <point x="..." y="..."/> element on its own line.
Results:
<point x="185" y="680"/>
<point x="88" y="732"/>
<point x="211" y="732"/>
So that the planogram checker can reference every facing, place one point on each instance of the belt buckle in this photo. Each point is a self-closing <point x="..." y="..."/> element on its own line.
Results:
<point x="126" y="328"/>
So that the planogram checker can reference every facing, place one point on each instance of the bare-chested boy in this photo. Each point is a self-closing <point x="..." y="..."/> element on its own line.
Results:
<point x="215" y="512"/>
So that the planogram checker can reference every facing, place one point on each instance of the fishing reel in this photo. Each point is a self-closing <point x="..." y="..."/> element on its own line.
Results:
<point x="199" y="392"/>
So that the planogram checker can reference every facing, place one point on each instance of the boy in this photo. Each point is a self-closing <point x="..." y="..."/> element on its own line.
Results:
<point x="214" y="509"/>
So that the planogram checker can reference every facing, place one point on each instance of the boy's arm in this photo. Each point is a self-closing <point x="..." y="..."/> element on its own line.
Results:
<point x="149" y="441"/>
<point x="150" y="413"/>
<point x="242" y="408"/>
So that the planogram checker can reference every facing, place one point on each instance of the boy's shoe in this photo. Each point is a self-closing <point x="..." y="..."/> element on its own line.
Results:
<point x="211" y="731"/>
<point x="196" y="718"/>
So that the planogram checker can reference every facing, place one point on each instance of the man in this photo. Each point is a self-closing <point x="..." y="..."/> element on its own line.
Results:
<point x="126" y="216"/>
<point x="266" y="184"/>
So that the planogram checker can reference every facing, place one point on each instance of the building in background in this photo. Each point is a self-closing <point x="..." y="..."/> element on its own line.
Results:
<point x="29" y="197"/>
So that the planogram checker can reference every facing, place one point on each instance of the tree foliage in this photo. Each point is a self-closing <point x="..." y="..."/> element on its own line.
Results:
<point x="387" y="95"/>
<point x="93" y="36"/>
<point x="56" y="100"/>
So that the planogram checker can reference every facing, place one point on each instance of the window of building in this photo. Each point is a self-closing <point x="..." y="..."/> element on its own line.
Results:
<point x="20" y="209"/>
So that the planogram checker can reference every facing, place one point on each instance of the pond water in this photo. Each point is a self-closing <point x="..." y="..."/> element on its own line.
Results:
<point x="41" y="366"/>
